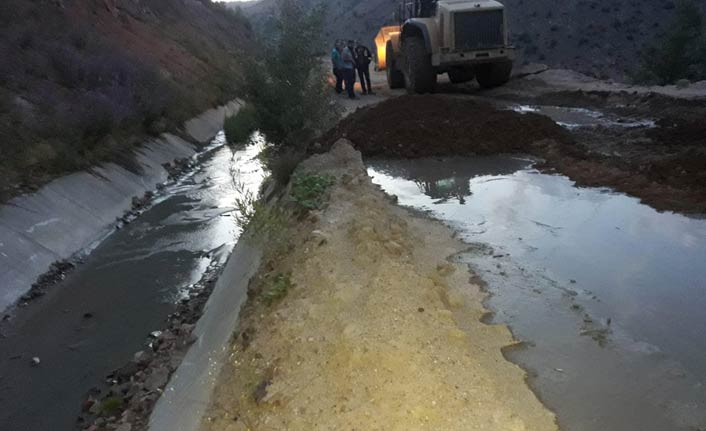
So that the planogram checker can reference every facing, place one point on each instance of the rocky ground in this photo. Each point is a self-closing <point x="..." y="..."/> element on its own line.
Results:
<point x="376" y="329"/>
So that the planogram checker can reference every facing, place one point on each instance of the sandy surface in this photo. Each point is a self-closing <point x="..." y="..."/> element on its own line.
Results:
<point x="381" y="330"/>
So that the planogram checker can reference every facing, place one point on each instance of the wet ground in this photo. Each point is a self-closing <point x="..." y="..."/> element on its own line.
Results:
<point x="641" y="149"/>
<point x="100" y="315"/>
<point x="607" y="293"/>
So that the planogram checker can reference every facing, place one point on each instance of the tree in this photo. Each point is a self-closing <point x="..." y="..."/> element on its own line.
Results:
<point x="680" y="53"/>
<point x="286" y="84"/>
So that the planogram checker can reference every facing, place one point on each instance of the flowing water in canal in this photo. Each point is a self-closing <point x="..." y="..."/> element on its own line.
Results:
<point x="607" y="294"/>
<point x="94" y="320"/>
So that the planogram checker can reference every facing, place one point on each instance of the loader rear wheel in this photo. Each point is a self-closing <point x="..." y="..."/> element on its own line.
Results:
<point x="420" y="76"/>
<point x="460" y="75"/>
<point x="395" y="78"/>
<point x="493" y="74"/>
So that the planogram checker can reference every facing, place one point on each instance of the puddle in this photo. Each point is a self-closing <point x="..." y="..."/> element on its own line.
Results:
<point x="573" y="118"/>
<point x="608" y="294"/>
<point x="99" y="316"/>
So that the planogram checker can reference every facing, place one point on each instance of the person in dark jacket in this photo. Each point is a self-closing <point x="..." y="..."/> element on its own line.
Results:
<point x="363" y="58"/>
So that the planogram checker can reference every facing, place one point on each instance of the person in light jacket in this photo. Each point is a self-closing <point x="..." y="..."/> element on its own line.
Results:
<point x="348" y="57"/>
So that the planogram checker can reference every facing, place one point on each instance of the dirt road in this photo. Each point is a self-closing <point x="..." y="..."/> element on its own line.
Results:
<point x="379" y="330"/>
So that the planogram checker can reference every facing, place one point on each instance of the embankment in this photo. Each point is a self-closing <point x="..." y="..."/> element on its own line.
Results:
<point x="71" y="213"/>
<point x="361" y="319"/>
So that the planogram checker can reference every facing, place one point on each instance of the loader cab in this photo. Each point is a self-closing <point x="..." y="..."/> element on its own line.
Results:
<point x="416" y="9"/>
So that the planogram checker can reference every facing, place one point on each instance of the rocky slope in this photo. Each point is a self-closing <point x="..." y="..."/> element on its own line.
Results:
<point x="82" y="81"/>
<point x="599" y="37"/>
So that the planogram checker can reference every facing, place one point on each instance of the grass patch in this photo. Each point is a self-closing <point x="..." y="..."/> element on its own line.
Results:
<point x="111" y="406"/>
<point x="308" y="190"/>
<point x="278" y="290"/>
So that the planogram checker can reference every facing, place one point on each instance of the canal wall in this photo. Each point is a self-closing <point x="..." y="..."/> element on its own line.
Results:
<point x="187" y="395"/>
<point x="73" y="212"/>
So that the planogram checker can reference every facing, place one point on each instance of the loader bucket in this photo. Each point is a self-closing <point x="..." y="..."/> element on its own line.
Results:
<point x="381" y="43"/>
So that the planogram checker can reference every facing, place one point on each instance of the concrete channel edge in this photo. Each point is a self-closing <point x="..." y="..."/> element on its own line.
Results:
<point x="72" y="212"/>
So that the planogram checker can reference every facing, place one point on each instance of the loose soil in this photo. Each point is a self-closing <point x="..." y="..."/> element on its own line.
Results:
<point x="663" y="166"/>
<point x="379" y="330"/>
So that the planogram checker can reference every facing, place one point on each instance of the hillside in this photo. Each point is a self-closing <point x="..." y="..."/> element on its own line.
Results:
<point x="601" y="38"/>
<point x="83" y="81"/>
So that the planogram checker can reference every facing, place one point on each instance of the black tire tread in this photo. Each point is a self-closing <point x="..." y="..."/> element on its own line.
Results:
<point x="493" y="74"/>
<point x="395" y="78"/>
<point x="420" y="77"/>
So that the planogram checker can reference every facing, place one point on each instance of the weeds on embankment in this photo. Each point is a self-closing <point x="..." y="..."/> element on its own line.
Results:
<point x="308" y="189"/>
<point x="278" y="289"/>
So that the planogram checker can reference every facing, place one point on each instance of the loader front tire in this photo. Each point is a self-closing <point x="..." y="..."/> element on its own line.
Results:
<point x="420" y="76"/>
<point x="395" y="78"/>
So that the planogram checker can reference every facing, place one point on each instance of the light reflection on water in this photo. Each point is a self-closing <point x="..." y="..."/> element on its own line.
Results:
<point x="603" y="288"/>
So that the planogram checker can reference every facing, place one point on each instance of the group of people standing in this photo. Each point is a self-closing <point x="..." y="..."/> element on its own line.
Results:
<point x="347" y="59"/>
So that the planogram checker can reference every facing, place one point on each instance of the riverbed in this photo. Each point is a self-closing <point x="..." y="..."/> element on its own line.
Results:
<point x="606" y="293"/>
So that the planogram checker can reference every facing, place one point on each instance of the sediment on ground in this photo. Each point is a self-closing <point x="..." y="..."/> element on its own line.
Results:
<point x="662" y="166"/>
<point x="376" y="327"/>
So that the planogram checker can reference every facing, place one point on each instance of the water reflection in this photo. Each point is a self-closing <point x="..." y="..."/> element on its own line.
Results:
<point x="607" y="290"/>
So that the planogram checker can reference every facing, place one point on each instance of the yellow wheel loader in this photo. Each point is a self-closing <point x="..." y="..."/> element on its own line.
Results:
<point x="466" y="39"/>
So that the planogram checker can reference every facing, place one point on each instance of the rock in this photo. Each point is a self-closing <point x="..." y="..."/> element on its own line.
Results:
<point x="682" y="83"/>
<point x="35" y="361"/>
<point x="87" y="404"/>
<point x="142" y="357"/>
<point x="124" y="427"/>
<point x="260" y="391"/>
<point x="157" y="379"/>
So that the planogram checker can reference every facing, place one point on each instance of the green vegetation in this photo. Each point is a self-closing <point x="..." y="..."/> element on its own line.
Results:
<point x="678" y="54"/>
<point x="286" y="83"/>
<point x="278" y="290"/>
<point x="308" y="189"/>
<point x="74" y="94"/>
<point x="239" y="127"/>
<point x="111" y="406"/>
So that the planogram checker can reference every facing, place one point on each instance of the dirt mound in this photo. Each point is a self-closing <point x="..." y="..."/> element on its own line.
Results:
<point x="422" y="126"/>
<point x="662" y="166"/>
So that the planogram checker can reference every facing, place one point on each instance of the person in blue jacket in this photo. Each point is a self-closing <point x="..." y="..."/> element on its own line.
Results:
<point x="337" y="64"/>
<point x="348" y="57"/>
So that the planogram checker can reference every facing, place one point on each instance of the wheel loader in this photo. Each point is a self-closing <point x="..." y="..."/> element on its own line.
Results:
<point x="466" y="39"/>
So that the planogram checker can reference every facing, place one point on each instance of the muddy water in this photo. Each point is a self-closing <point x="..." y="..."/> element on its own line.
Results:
<point x="574" y="118"/>
<point x="608" y="294"/>
<point x="101" y="314"/>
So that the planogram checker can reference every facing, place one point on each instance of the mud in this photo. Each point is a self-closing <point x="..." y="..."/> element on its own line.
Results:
<point x="663" y="165"/>
<point x="423" y="126"/>
<point x="378" y="330"/>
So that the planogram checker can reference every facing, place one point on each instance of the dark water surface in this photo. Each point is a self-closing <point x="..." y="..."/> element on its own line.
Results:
<point x="609" y="294"/>
<point x="128" y="285"/>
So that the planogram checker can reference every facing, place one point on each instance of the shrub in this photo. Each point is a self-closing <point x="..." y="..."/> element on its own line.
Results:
<point x="240" y="126"/>
<point x="679" y="54"/>
<point x="308" y="189"/>
<point x="286" y="85"/>
<point x="278" y="290"/>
